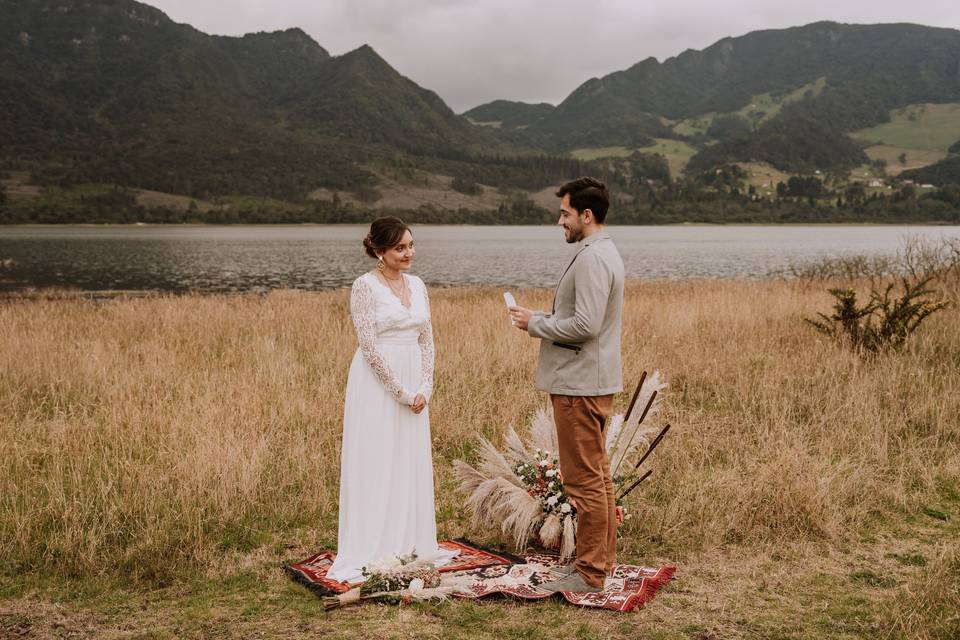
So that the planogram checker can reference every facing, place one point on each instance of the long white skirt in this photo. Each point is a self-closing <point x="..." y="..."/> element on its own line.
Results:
<point x="386" y="470"/>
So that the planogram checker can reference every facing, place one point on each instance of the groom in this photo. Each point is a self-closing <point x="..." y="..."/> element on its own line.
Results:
<point x="580" y="368"/>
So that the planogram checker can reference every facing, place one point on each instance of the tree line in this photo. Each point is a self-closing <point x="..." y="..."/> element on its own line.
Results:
<point x="715" y="196"/>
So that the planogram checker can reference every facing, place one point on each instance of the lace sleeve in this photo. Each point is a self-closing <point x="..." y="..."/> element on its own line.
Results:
<point x="427" y="351"/>
<point x="363" y="309"/>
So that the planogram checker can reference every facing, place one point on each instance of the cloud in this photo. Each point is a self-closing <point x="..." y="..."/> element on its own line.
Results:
<point x="530" y="50"/>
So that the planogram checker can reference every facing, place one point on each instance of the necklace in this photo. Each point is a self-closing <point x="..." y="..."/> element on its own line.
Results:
<point x="393" y="279"/>
<point x="401" y="294"/>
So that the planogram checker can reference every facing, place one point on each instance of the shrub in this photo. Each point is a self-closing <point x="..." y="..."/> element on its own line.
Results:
<point x="887" y="320"/>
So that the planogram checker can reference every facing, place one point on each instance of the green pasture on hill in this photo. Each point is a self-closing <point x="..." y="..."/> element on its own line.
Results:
<point x="766" y="106"/>
<point x="761" y="108"/>
<point x="601" y="152"/>
<point x="899" y="159"/>
<point x="694" y="126"/>
<point x="927" y="127"/>
<point x="677" y="153"/>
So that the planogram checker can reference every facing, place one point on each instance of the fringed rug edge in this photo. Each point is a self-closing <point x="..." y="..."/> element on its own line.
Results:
<point x="300" y="577"/>
<point x="650" y="588"/>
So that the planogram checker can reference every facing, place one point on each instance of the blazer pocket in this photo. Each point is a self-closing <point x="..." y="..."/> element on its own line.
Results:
<point x="572" y="347"/>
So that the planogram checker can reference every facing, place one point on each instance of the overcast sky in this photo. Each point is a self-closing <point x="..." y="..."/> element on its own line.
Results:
<point x="471" y="52"/>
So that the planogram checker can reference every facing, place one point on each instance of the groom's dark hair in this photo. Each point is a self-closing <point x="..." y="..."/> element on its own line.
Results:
<point x="587" y="193"/>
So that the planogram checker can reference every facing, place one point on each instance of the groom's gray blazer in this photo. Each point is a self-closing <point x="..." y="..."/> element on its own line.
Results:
<point x="580" y="338"/>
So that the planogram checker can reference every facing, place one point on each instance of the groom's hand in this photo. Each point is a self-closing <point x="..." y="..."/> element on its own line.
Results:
<point x="520" y="317"/>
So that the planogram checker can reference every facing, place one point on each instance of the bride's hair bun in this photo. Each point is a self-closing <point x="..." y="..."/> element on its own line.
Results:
<point x="368" y="245"/>
<point x="384" y="233"/>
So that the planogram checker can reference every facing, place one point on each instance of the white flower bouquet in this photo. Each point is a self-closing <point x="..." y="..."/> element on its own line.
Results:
<point x="394" y="579"/>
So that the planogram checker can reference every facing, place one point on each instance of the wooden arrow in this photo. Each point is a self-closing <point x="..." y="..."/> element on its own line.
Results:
<point x="653" y="445"/>
<point x="635" y="484"/>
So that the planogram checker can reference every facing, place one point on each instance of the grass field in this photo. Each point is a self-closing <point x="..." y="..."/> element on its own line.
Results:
<point x="592" y="153"/>
<point x="677" y="153"/>
<point x="761" y="108"/>
<point x="922" y="127"/>
<point x="915" y="158"/>
<point x="148" y="198"/>
<point x="693" y="126"/>
<point x="20" y="189"/>
<point x="163" y="456"/>
<point x="766" y="106"/>
<point x="764" y="177"/>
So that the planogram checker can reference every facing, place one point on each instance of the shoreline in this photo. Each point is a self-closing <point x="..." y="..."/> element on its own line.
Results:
<point x="65" y="294"/>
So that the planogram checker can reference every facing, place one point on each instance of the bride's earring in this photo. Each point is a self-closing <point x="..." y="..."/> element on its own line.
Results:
<point x="380" y="264"/>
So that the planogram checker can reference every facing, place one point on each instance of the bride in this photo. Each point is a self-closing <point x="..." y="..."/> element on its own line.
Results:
<point x="386" y="472"/>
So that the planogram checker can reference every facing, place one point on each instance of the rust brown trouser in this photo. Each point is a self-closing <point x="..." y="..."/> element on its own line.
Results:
<point x="580" y="424"/>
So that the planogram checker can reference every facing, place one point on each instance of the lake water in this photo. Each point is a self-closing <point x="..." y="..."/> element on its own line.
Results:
<point x="258" y="258"/>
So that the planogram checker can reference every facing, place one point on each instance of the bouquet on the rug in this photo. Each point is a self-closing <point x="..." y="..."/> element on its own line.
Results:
<point x="521" y="488"/>
<point x="394" y="579"/>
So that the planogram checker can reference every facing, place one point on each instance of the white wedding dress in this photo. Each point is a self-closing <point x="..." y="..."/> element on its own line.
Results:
<point x="386" y="469"/>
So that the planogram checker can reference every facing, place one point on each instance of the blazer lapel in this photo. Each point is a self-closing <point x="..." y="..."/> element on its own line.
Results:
<point x="555" y="291"/>
<point x="586" y="242"/>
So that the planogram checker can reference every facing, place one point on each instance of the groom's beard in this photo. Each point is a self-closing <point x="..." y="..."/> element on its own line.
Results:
<point x="573" y="235"/>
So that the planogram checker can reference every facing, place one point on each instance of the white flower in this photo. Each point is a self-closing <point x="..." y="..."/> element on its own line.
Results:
<point x="565" y="507"/>
<point x="553" y="485"/>
<point x="551" y="472"/>
<point x="544" y="463"/>
<point x="416" y="584"/>
<point x="552" y="500"/>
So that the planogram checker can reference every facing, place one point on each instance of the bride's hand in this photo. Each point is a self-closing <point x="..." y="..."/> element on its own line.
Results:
<point x="419" y="403"/>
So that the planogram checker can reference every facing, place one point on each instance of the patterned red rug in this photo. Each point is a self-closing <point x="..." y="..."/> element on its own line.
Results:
<point x="480" y="573"/>
<point x="312" y="572"/>
<point x="629" y="587"/>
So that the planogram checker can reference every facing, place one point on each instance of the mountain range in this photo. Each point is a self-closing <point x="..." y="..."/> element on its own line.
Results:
<point x="789" y="97"/>
<point x="116" y="92"/>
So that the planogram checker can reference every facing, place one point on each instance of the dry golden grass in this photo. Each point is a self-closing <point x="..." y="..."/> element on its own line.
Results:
<point x="932" y="607"/>
<point x="147" y="439"/>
